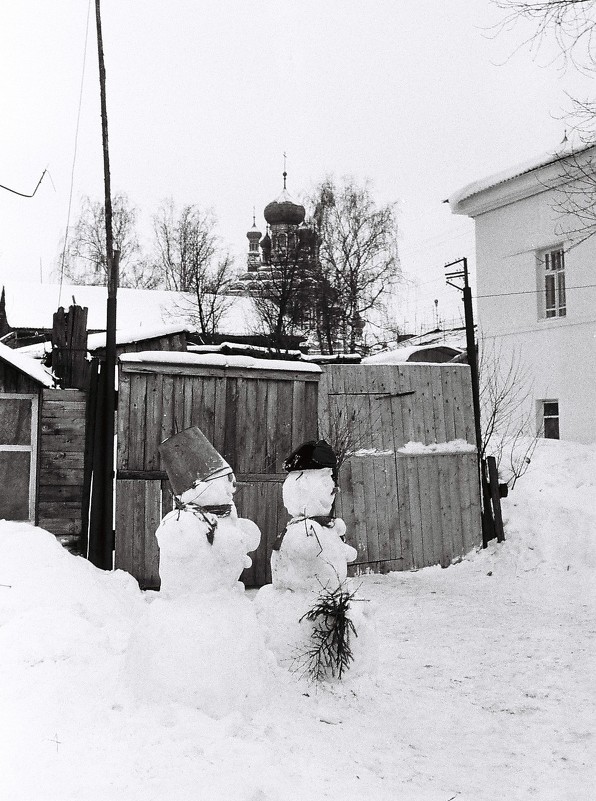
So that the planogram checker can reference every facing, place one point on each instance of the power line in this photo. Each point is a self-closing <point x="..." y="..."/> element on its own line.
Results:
<point x="531" y="291"/>
<point x="74" y="157"/>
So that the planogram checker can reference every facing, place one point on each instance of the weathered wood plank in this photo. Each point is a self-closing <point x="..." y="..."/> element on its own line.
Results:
<point x="152" y="517"/>
<point x="285" y="444"/>
<point x="219" y="426"/>
<point x="123" y="420"/>
<point x="437" y="532"/>
<point x="410" y="466"/>
<point x="403" y="506"/>
<point x="230" y="421"/>
<point x="52" y="476"/>
<point x="124" y="512"/>
<point x="137" y="423"/>
<point x="61" y="460"/>
<point x="440" y="426"/>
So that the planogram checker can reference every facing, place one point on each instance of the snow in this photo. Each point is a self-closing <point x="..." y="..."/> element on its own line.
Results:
<point x="216" y="360"/>
<point x="401" y="355"/>
<point x="485" y="687"/>
<point x="127" y="335"/>
<point x="453" y="446"/>
<point x="32" y="305"/>
<point x="529" y="165"/>
<point x="27" y="365"/>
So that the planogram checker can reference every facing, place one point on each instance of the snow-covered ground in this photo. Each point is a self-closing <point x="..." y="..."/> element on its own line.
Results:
<point x="485" y="688"/>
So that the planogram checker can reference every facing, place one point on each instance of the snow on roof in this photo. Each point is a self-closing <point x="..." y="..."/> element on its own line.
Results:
<point x="32" y="305"/>
<point x="509" y="174"/>
<point x="217" y="360"/>
<point x="27" y="365"/>
<point x="401" y="355"/>
<point x="128" y="335"/>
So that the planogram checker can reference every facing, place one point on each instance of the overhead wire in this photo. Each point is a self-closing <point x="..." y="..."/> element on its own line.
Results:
<point x="74" y="157"/>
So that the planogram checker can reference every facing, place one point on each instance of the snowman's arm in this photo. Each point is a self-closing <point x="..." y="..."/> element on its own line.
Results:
<point x="251" y="533"/>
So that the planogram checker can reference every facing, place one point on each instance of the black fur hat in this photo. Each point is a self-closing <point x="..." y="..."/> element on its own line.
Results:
<point x="312" y="455"/>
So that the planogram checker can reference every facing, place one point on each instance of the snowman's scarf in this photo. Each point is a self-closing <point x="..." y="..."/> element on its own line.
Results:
<point x="206" y="514"/>
<point x="323" y="520"/>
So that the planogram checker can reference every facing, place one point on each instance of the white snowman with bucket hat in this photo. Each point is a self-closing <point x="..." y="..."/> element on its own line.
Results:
<point x="200" y="644"/>
<point x="203" y="544"/>
<point x="309" y="564"/>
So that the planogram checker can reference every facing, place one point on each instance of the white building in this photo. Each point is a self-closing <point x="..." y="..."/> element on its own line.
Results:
<point x="536" y="282"/>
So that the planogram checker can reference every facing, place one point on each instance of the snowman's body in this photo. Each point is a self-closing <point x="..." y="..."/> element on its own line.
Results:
<point x="310" y="557"/>
<point x="200" y="643"/>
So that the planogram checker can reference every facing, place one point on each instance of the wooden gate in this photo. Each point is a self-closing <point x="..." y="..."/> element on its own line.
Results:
<point x="404" y="507"/>
<point x="252" y="416"/>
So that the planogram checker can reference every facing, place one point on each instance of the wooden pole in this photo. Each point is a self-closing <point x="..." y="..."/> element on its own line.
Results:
<point x="101" y="529"/>
<point x="472" y="353"/>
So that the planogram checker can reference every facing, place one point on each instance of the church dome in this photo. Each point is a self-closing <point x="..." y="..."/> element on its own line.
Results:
<point x="254" y="232"/>
<point x="283" y="210"/>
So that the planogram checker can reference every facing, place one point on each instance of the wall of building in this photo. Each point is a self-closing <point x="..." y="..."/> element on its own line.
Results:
<point x="559" y="354"/>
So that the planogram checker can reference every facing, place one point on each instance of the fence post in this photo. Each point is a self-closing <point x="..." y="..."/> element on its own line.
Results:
<point x="495" y="498"/>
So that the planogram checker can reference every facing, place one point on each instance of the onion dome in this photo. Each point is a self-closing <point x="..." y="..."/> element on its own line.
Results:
<point x="254" y="232"/>
<point x="265" y="242"/>
<point x="283" y="210"/>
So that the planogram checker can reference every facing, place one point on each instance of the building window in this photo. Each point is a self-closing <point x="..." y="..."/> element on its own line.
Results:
<point x="549" y="418"/>
<point x="552" y="283"/>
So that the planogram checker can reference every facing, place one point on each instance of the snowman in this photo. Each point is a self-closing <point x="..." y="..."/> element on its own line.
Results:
<point x="309" y="593"/>
<point x="199" y="643"/>
<point x="203" y="544"/>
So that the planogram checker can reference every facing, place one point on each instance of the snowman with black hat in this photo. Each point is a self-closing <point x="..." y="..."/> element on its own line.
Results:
<point x="308" y="611"/>
<point x="199" y="643"/>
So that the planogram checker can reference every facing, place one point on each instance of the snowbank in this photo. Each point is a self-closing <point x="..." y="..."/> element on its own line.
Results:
<point x="484" y="689"/>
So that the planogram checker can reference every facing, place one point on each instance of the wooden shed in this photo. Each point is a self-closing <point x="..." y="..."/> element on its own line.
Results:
<point x="409" y="494"/>
<point x="41" y="448"/>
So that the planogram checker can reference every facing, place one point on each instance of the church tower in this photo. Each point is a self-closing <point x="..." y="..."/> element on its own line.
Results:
<point x="253" y="261"/>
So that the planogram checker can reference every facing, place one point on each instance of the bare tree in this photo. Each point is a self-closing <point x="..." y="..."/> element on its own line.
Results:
<point x="357" y="259"/>
<point x="189" y="256"/>
<point x="506" y="411"/>
<point x="285" y="294"/>
<point x="571" y="22"/>
<point x="82" y="257"/>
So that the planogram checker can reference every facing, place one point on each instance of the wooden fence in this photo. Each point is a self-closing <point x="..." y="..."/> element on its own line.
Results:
<point x="252" y="416"/>
<point x="402" y="509"/>
<point x="61" y="468"/>
<point x="405" y="509"/>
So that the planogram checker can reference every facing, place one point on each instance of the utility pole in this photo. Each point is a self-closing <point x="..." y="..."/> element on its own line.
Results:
<point x="101" y="530"/>
<point x="465" y="289"/>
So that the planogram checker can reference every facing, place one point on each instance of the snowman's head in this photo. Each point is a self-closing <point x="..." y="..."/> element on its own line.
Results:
<point x="217" y="491"/>
<point x="309" y="493"/>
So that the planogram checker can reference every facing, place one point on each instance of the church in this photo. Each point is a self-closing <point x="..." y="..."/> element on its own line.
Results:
<point x="284" y="256"/>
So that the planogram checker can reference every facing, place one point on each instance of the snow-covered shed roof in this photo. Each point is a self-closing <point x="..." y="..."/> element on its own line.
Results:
<point x="217" y="360"/>
<point x="414" y="353"/>
<point x="538" y="162"/>
<point x="27" y="365"/>
<point x="96" y="341"/>
<point x="451" y="340"/>
<point x="32" y="306"/>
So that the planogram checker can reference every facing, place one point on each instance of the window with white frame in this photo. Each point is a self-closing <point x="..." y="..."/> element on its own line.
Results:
<point x="551" y="283"/>
<point x="548" y="413"/>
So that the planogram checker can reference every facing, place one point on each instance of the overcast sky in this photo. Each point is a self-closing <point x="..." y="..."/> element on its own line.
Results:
<point x="204" y="97"/>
